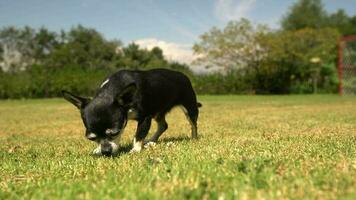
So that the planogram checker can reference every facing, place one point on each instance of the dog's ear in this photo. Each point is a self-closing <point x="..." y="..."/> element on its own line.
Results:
<point x="125" y="97"/>
<point x="79" y="102"/>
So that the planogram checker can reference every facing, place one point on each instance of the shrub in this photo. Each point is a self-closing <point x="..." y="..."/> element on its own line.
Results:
<point x="42" y="82"/>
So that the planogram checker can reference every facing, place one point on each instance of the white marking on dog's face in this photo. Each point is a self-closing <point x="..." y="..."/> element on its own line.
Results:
<point x="91" y="136"/>
<point x="105" y="82"/>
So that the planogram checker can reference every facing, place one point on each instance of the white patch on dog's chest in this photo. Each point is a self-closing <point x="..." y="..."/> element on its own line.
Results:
<point x="105" y="82"/>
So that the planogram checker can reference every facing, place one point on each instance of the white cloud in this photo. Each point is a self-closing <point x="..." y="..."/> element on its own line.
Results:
<point x="172" y="51"/>
<point x="226" y="10"/>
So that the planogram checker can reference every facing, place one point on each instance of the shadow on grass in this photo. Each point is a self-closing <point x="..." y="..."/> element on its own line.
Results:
<point x="125" y="148"/>
<point x="175" y="139"/>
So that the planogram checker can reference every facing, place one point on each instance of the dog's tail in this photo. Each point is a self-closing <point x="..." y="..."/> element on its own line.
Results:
<point x="199" y="104"/>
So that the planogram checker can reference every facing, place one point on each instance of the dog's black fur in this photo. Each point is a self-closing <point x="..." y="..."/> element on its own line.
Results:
<point x="137" y="95"/>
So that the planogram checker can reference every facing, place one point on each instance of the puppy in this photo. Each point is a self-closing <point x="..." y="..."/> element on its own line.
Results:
<point x="135" y="95"/>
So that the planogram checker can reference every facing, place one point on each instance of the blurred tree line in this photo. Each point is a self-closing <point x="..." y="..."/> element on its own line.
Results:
<point x="41" y="63"/>
<point x="299" y="58"/>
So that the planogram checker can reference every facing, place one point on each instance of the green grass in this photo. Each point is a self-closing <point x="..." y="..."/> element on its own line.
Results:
<point x="250" y="147"/>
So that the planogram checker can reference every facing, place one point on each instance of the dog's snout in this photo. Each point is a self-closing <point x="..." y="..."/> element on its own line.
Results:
<point x="111" y="132"/>
<point x="106" y="149"/>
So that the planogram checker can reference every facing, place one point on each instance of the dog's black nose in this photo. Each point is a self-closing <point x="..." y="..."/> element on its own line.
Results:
<point x="106" y="149"/>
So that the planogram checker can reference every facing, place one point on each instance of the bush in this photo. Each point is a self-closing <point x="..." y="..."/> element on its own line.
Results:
<point x="234" y="82"/>
<point x="41" y="82"/>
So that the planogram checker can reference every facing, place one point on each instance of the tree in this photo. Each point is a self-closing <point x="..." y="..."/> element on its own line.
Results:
<point x="1" y="53"/>
<point x="234" y="47"/>
<point x="134" y="57"/>
<point x="311" y="14"/>
<point x="157" y="53"/>
<point x="288" y="65"/>
<point x="341" y="21"/>
<point x="45" y="42"/>
<point x="23" y="47"/>
<point x="305" y="14"/>
<point x="86" y="48"/>
<point x="16" y="48"/>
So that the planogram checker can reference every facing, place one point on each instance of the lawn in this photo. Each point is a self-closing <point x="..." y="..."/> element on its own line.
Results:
<point x="250" y="147"/>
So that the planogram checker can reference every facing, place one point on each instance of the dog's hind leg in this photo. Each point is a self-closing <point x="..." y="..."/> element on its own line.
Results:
<point x="161" y="127"/>
<point x="191" y="112"/>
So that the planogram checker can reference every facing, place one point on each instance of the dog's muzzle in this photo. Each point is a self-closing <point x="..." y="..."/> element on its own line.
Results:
<point x="112" y="132"/>
<point x="107" y="148"/>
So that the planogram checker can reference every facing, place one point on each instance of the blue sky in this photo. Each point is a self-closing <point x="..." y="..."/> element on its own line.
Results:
<point x="176" y="24"/>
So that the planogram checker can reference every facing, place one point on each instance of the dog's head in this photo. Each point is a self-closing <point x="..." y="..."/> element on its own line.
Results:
<point x="104" y="117"/>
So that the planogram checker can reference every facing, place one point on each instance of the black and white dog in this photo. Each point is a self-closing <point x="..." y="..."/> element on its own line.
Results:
<point x="136" y="95"/>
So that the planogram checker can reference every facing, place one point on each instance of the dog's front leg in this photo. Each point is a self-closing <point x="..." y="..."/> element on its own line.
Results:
<point x="142" y="130"/>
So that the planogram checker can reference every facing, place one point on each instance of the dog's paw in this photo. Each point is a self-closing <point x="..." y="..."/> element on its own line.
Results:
<point x="135" y="150"/>
<point x="97" y="151"/>
<point x="137" y="146"/>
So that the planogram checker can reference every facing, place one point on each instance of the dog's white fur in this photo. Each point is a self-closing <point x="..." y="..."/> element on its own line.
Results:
<point x="137" y="146"/>
<point x="91" y="135"/>
<point x="105" y="82"/>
